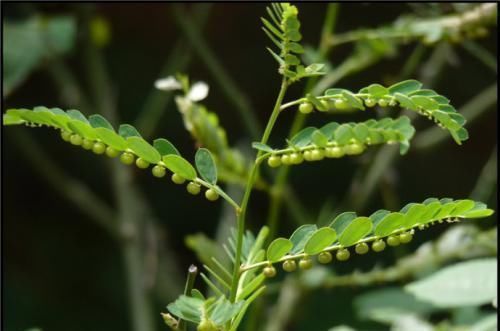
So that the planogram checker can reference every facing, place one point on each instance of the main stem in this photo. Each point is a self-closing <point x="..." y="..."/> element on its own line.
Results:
<point x="248" y="191"/>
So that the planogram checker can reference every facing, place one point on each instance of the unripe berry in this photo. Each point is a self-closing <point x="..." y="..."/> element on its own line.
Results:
<point x="317" y="154"/>
<point x="378" y="245"/>
<point x="177" y="179"/>
<point x="325" y="105"/>
<point x="65" y="135"/>
<point x="393" y="241"/>
<point x="211" y="195"/>
<point x="158" y="171"/>
<point x="127" y="158"/>
<point x="269" y="271"/>
<point x="341" y="104"/>
<point x="405" y="237"/>
<point x="111" y="152"/>
<point x="343" y="254"/>
<point x="362" y="248"/>
<point x="305" y="108"/>
<point x="207" y="325"/>
<point x="193" y="188"/>
<point x="383" y="103"/>
<point x="325" y="257"/>
<point x="307" y="155"/>
<point x="296" y="158"/>
<point x="141" y="163"/>
<point x="75" y="140"/>
<point x="98" y="148"/>
<point x="274" y="161"/>
<point x="87" y="144"/>
<point x="305" y="263"/>
<point x="370" y="102"/>
<point x="334" y="152"/>
<point x="354" y="149"/>
<point x="285" y="159"/>
<point x="289" y="265"/>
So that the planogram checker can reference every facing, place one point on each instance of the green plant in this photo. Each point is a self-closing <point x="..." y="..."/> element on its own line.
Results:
<point x="237" y="284"/>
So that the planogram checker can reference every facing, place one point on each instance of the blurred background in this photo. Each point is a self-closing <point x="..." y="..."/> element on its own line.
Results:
<point x="65" y="269"/>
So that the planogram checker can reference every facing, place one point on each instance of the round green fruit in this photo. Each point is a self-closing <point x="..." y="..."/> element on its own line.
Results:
<point x="141" y="163"/>
<point x="378" y="245"/>
<point x="405" y="237"/>
<point x="75" y="140"/>
<point x="362" y="248"/>
<point x="269" y="271"/>
<point x="177" y="179"/>
<point x="127" y="158"/>
<point x="334" y="152"/>
<point x="289" y="265"/>
<point x="305" y="108"/>
<point x="211" y="195"/>
<point x="87" y="144"/>
<point x="158" y="171"/>
<point x="65" y="135"/>
<point x="325" y="257"/>
<point x="354" y="149"/>
<point x="343" y="254"/>
<point x="193" y="188"/>
<point x="111" y="152"/>
<point x="305" y="263"/>
<point x="98" y="148"/>
<point x="393" y="241"/>
<point x="296" y="158"/>
<point x="274" y="161"/>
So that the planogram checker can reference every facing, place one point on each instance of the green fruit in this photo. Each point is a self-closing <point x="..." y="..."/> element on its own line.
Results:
<point x="325" y="105"/>
<point x="207" y="325"/>
<point x="158" y="171"/>
<point x="305" y="263"/>
<point x="285" y="159"/>
<point x="354" y="149"/>
<point x="383" y="103"/>
<point x="274" y="161"/>
<point x="141" y="163"/>
<point x="193" y="188"/>
<point x="378" y="245"/>
<point x="334" y="152"/>
<point x="65" y="135"/>
<point x="127" y="158"/>
<point x="307" y="155"/>
<point x="362" y="248"/>
<point x="405" y="237"/>
<point x="111" y="152"/>
<point x="305" y="108"/>
<point x="211" y="195"/>
<point x="370" y="102"/>
<point x="325" y="257"/>
<point x="296" y="158"/>
<point x="269" y="271"/>
<point x="393" y="241"/>
<point x="87" y="144"/>
<point x="343" y="254"/>
<point x="317" y="154"/>
<point x="289" y="265"/>
<point x="341" y="104"/>
<point x="98" y="148"/>
<point x="75" y="140"/>
<point x="178" y="179"/>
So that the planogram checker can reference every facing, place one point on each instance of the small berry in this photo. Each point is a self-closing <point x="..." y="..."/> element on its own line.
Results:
<point x="325" y="257"/>
<point x="393" y="241"/>
<point x="343" y="254"/>
<point x="354" y="149"/>
<point x="65" y="135"/>
<point x="393" y="103"/>
<point x="285" y="159"/>
<point x="274" y="161"/>
<point x="378" y="245"/>
<point x="317" y="154"/>
<point x="76" y="140"/>
<point x="193" y="188"/>
<point x="405" y="237"/>
<point x="305" y="263"/>
<point x="325" y="105"/>
<point x="305" y="108"/>
<point x="362" y="248"/>
<point x="207" y="325"/>
<point x="87" y="144"/>
<point x="383" y="103"/>
<point x="111" y="152"/>
<point x="127" y="158"/>
<point x="98" y="148"/>
<point x="177" y="179"/>
<point x="334" y="152"/>
<point x="341" y="104"/>
<point x="158" y="171"/>
<point x="141" y="163"/>
<point x="370" y="102"/>
<point x="289" y="265"/>
<point x="269" y="271"/>
<point x="307" y="155"/>
<point x="296" y="158"/>
<point x="211" y="195"/>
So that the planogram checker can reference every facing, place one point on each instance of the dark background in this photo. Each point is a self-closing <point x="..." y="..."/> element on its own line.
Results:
<point x="61" y="272"/>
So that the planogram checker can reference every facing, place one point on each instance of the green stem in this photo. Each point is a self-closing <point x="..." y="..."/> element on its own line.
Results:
<point x="248" y="190"/>
<point x="191" y="277"/>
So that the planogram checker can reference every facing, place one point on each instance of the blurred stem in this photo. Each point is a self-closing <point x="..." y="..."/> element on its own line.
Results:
<point x="191" y="277"/>
<point x="68" y="187"/>
<point x="289" y="296"/>
<point x="475" y="107"/>
<point x="181" y="55"/>
<point x="128" y="209"/>
<point x="481" y="53"/>
<point x="226" y="83"/>
<point x="487" y="181"/>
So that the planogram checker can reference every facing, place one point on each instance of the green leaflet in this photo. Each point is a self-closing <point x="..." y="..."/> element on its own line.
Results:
<point x="111" y="138"/>
<point x="319" y="240"/>
<point x="97" y="121"/>
<point x="177" y="164"/>
<point x="127" y="130"/>
<point x="206" y="165"/>
<point x="83" y="129"/>
<point x="165" y="147"/>
<point x="300" y="236"/>
<point x="278" y="248"/>
<point x="356" y="230"/>
<point x="143" y="149"/>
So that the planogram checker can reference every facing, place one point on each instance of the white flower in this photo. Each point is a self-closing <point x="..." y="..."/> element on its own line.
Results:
<point x="168" y="84"/>
<point x="198" y="91"/>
